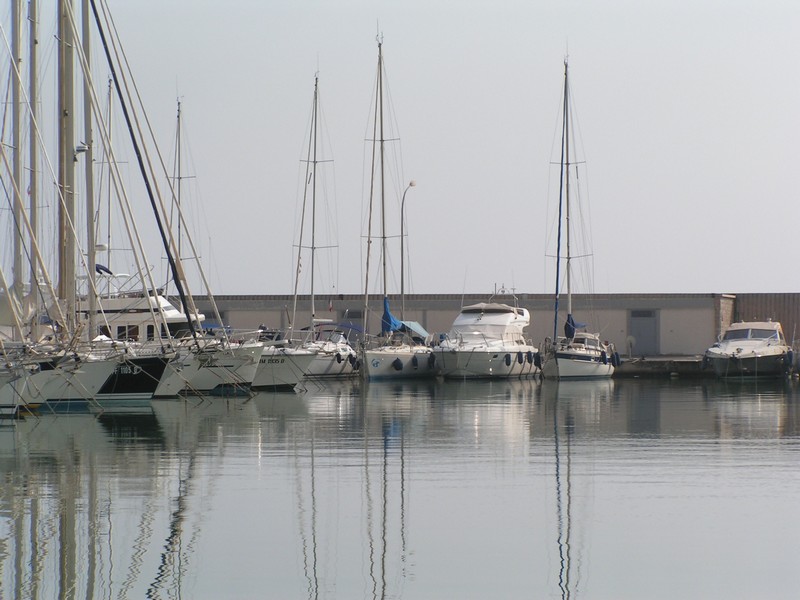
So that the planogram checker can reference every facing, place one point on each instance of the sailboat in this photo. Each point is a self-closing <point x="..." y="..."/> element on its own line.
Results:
<point x="403" y="351"/>
<point x="576" y="354"/>
<point x="334" y="356"/>
<point x="211" y="363"/>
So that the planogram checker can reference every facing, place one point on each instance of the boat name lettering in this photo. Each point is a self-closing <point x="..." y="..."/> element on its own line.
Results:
<point x="271" y="361"/>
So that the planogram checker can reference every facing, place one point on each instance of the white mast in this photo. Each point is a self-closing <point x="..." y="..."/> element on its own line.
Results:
<point x="16" y="159"/>
<point x="379" y="100"/>
<point x="89" y="195"/>
<point x="66" y="168"/>
<point x="33" y="186"/>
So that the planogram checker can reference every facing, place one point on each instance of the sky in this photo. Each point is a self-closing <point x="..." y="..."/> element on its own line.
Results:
<point x="688" y="115"/>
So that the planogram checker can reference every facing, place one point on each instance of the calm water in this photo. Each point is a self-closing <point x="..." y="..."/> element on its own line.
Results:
<point x="626" y="489"/>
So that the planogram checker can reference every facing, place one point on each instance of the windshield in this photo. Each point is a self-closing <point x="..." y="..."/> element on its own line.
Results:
<point x="764" y="334"/>
<point x="756" y="334"/>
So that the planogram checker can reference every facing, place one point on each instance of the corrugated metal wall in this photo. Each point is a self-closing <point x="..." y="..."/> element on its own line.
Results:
<point x="778" y="307"/>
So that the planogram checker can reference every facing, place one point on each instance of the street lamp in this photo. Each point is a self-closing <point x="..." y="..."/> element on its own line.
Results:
<point x="411" y="184"/>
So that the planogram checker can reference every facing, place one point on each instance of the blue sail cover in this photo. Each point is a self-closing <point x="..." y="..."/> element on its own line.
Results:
<point x="388" y="322"/>
<point x="571" y="326"/>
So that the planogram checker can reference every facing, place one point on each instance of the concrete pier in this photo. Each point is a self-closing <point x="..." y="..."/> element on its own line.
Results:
<point x="684" y="367"/>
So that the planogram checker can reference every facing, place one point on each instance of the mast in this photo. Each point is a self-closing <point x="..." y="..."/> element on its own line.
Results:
<point x="109" y="129"/>
<point x="563" y="191"/>
<point x="314" y="140"/>
<point x="372" y="188"/>
<point x="310" y="178"/>
<point x="178" y="177"/>
<point x="16" y="159"/>
<point x="66" y="168"/>
<point x="566" y="190"/>
<point x="33" y="186"/>
<point x="88" y="148"/>
<point x="383" y="183"/>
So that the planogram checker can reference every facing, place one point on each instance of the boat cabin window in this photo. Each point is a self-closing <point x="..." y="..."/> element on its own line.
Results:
<point x="179" y="330"/>
<point x="151" y="330"/>
<point x="127" y="332"/>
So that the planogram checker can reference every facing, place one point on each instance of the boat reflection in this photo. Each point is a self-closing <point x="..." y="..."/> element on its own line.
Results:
<point x="573" y="410"/>
<point x="128" y="506"/>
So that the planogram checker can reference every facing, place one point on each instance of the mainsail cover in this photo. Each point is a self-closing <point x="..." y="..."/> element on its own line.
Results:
<point x="388" y="322"/>
<point x="571" y="326"/>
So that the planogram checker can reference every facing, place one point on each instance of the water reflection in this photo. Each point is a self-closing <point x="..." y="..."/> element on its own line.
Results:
<point x="404" y="490"/>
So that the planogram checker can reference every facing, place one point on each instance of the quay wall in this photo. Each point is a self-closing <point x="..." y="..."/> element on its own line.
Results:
<point x="638" y="324"/>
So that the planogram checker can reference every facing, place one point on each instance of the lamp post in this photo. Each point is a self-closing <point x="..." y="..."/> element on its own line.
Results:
<point x="411" y="184"/>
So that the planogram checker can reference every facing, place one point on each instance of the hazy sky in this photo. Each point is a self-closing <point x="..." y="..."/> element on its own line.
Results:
<point x="688" y="112"/>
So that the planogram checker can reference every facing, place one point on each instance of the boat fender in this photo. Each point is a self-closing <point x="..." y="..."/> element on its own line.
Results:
<point x="508" y="360"/>
<point x="529" y="357"/>
<point x="614" y="359"/>
<point x="704" y="364"/>
<point x="537" y="360"/>
<point x="603" y="357"/>
<point x="431" y="360"/>
<point x="356" y="365"/>
<point x="789" y="358"/>
<point x="520" y="358"/>
<point x="352" y="360"/>
<point x="338" y="358"/>
<point x="415" y="361"/>
<point x="397" y="364"/>
<point x="618" y="359"/>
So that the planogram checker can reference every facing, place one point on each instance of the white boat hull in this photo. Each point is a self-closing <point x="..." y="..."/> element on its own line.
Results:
<point x="399" y="362"/>
<point x="94" y="384"/>
<point x="282" y="368"/>
<point x="486" y="363"/>
<point x="210" y="371"/>
<point x="563" y="365"/>
<point x="67" y="383"/>
<point x="332" y="360"/>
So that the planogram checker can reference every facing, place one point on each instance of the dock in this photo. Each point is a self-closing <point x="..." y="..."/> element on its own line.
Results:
<point x="689" y="366"/>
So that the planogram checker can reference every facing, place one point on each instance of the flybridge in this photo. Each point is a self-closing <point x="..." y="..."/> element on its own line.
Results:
<point x="491" y="308"/>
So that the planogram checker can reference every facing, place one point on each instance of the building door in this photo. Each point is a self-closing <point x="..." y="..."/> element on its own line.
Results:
<point x="644" y="333"/>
